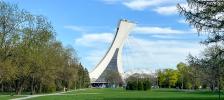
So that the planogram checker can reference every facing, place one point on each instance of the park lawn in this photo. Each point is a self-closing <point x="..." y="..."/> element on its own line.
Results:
<point x="7" y="97"/>
<point x="120" y="94"/>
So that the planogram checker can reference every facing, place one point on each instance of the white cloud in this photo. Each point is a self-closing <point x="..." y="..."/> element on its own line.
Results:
<point x="142" y="4"/>
<point x="88" y="39"/>
<point x="146" y="4"/>
<point x="138" y="70"/>
<point x="167" y="10"/>
<point x="149" y="54"/>
<point x="164" y="36"/>
<point x="75" y="28"/>
<point x="157" y="30"/>
<point x="182" y="21"/>
<point x="141" y="53"/>
<point x="163" y="7"/>
<point x="156" y="54"/>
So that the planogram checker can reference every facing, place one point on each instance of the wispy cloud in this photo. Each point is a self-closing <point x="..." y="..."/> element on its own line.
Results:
<point x="75" y="28"/>
<point x="156" y="54"/>
<point x="169" y="10"/>
<point x="182" y="21"/>
<point x="150" y="54"/>
<point x="142" y="4"/>
<point x="163" y="7"/>
<point x="165" y="36"/>
<point x="164" y="51"/>
<point x="166" y="10"/>
<point x="157" y="30"/>
<point x="90" y="38"/>
<point x="106" y="37"/>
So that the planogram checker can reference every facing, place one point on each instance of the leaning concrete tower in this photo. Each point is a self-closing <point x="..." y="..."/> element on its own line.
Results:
<point x="112" y="60"/>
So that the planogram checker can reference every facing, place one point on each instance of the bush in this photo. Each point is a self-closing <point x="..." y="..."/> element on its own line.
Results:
<point x="136" y="83"/>
<point x="51" y="87"/>
<point x="147" y="84"/>
<point x="140" y="85"/>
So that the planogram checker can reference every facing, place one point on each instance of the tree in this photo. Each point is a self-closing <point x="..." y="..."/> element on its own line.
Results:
<point x="31" y="59"/>
<point x="132" y="83"/>
<point x="210" y="67"/>
<point x="138" y="82"/>
<point x="161" y="78"/>
<point x="195" y="72"/>
<point x="167" y="78"/>
<point x="11" y="18"/>
<point x="182" y="69"/>
<point x="86" y="78"/>
<point x="205" y="16"/>
<point x="113" y="78"/>
<point x="146" y="84"/>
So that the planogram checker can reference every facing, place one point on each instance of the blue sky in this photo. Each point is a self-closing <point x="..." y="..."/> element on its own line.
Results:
<point x="161" y="38"/>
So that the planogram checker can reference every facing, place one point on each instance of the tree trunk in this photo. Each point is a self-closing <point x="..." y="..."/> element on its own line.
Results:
<point x="212" y="87"/>
<point x="20" y="90"/>
<point x="10" y="88"/>
<point x="19" y="86"/>
<point x="2" y="87"/>
<point x="40" y="88"/>
<point x="182" y="84"/>
<point x="32" y="86"/>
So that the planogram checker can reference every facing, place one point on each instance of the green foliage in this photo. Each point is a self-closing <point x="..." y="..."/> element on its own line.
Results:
<point x="138" y="82"/>
<point x="184" y="77"/>
<point x="167" y="77"/>
<point x="147" y="84"/>
<point x="31" y="59"/>
<point x="208" y="70"/>
<point x="206" y="16"/>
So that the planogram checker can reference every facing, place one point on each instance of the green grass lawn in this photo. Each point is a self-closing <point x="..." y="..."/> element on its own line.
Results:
<point x="7" y="97"/>
<point x="120" y="94"/>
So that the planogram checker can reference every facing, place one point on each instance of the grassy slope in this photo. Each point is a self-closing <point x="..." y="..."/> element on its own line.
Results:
<point x="119" y="94"/>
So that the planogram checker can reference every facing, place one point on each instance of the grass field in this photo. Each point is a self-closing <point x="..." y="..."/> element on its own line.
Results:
<point x="7" y="97"/>
<point x="120" y="94"/>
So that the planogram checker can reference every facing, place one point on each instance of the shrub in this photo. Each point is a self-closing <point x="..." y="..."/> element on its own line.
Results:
<point x="135" y="82"/>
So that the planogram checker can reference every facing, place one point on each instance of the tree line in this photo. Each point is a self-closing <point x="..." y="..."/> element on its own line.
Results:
<point x="207" y="17"/>
<point x="206" y="70"/>
<point x="31" y="59"/>
<point x="193" y="75"/>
